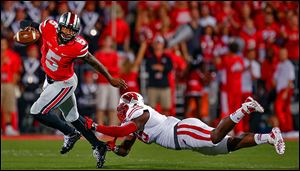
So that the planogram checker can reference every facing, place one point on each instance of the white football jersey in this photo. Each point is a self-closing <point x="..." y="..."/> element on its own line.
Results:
<point x="159" y="128"/>
<point x="190" y="133"/>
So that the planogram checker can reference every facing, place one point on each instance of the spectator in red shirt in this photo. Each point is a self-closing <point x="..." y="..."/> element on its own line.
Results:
<point x="10" y="74"/>
<point x="222" y="41"/>
<point x="292" y="44"/>
<point x="179" y="65"/>
<point x="207" y="43"/>
<point x="232" y="67"/>
<point x="107" y="96"/>
<point x="143" y="26"/>
<point x="129" y="69"/>
<point x="284" y="77"/>
<point x="166" y="28"/>
<point x="197" y="100"/>
<point x="268" y="67"/>
<point x="291" y="34"/>
<point x="228" y="16"/>
<point x="261" y="9"/>
<point x="180" y="13"/>
<point x="267" y="35"/>
<point x="245" y="12"/>
<point x="121" y="31"/>
<point x="161" y="20"/>
<point x="249" y="35"/>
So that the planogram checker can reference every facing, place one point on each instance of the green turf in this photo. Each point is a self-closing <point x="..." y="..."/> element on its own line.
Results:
<point x="36" y="154"/>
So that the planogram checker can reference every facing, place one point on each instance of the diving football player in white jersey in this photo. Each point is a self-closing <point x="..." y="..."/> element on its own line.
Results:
<point x="143" y="122"/>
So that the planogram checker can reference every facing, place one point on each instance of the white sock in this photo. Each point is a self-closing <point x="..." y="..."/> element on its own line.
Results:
<point x="261" y="138"/>
<point x="237" y="115"/>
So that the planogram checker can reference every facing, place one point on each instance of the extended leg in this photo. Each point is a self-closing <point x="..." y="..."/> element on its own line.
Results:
<point x="53" y="121"/>
<point x="249" y="139"/>
<point x="228" y="123"/>
<point x="69" y="108"/>
<point x="242" y="141"/>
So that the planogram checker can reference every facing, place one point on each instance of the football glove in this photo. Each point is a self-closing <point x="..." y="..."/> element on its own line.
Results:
<point x="90" y="124"/>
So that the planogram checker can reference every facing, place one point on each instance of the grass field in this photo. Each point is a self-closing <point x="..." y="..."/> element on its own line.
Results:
<point x="44" y="154"/>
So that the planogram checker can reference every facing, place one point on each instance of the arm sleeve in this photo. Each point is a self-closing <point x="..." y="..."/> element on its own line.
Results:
<point x="117" y="131"/>
<point x="26" y="23"/>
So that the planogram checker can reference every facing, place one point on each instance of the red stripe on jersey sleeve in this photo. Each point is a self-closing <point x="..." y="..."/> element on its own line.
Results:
<point x="84" y="51"/>
<point x="133" y="110"/>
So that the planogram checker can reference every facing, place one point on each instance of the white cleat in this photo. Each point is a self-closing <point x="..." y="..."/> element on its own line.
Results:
<point x="10" y="131"/>
<point x="251" y="105"/>
<point x="277" y="141"/>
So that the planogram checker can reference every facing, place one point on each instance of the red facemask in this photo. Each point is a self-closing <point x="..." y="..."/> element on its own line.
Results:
<point x="122" y="109"/>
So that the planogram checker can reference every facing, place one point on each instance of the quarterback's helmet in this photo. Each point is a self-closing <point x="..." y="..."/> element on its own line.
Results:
<point x="70" y="21"/>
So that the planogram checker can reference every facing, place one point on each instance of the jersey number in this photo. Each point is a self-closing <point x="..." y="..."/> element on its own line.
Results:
<point x="51" y="59"/>
<point x="80" y="41"/>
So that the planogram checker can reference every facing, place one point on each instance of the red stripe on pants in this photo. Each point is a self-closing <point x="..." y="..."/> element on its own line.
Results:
<point x="56" y="100"/>
<point x="194" y="127"/>
<point x="191" y="134"/>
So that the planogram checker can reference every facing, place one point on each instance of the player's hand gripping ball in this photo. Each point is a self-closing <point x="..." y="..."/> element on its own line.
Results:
<point x="27" y="36"/>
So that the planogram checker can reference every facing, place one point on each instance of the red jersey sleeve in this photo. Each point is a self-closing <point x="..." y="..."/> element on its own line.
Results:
<point x="118" y="131"/>
<point x="46" y="25"/>
<point x="82" y="47"/>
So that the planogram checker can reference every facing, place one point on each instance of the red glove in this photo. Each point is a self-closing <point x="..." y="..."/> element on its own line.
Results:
<point x="90" y="124"/>
<point x="111" y="145"/>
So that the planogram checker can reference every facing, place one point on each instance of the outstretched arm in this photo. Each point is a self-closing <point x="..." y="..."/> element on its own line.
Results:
<point x="98" y="66"/>
<point x="114" y="131"/>
<point x="117" y="131"/>
<point x="124" y="148"/>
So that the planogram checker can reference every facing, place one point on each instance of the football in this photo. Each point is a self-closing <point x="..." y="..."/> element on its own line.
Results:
<point x="27" y="36"/>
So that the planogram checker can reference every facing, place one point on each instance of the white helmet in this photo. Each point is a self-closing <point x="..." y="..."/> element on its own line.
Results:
<point x="132" y="98"/>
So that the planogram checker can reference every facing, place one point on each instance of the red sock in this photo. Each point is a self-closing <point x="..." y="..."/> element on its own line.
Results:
<point x="14" y="120"/>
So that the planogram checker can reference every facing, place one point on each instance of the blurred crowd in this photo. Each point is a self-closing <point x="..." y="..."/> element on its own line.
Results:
<point x="188" y="59"/>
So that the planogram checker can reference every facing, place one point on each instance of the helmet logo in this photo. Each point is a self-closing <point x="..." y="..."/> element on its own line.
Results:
<point x="130" y="97"/>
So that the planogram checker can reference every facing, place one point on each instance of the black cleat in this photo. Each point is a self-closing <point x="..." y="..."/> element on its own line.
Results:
<point x="69" y="141"/>
<point x="99" y="153"/>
